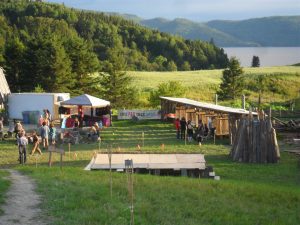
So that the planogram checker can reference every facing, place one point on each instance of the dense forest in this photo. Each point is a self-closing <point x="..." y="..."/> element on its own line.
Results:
<point x="56" y="48"/>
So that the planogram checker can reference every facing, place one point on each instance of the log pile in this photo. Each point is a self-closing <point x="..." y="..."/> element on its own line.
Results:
<point x="292" y="125"/>
<point x="255" y="141"/>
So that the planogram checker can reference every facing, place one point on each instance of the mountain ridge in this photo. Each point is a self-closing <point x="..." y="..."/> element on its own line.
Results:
<point x="274" y="31"/>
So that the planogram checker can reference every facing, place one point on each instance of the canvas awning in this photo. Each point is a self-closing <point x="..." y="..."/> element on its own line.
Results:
<point x="85" y="100"/>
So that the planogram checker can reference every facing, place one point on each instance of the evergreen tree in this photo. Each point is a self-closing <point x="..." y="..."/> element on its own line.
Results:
<point x="84" y="64"/>
<point x="232" y="82"/>
<point x="14" y="62"/>
<point x="117" y="83"/>
<point x="46" y="64"/>
<point x="255" y="61"/>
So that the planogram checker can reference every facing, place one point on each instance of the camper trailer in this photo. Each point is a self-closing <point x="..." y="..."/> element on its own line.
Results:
<point x="29" y="106"/>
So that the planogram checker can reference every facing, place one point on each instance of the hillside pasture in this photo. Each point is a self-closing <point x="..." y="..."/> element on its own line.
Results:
<point x="202" y="84"/>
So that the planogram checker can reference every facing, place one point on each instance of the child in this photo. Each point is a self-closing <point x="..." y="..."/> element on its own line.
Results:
<point x="36" y="143"/>
<point x="22" y="143"/>
<point x="52" y="134"/>
<point x="44" y="130"/>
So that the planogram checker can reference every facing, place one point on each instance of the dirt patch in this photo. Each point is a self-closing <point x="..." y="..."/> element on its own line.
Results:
<point x="22" y="202"/>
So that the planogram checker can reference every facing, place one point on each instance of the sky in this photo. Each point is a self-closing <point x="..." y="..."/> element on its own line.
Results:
<point x="197" y="10"/>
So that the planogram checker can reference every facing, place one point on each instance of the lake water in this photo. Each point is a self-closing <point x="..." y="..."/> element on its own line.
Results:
<point x="268" y="56"/>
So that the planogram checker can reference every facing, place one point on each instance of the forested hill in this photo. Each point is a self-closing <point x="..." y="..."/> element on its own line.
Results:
<point x="267" y="31"/>
<point x="281" y="31"/>
<point x="37" y="35"/>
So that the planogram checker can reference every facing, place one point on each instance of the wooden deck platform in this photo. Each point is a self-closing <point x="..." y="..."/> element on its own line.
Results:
<point x="175" y="162"/>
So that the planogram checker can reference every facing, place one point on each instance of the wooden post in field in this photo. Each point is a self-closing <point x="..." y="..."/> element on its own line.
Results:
<point x="99" y="144"/>
<point x="129" y="171"/>
<point x="214" y="137"/>
<point x="143" y="138"/>
<point x="185" y="137"/>
<point x="35" y="161"/>
<point x="69" y="146"/>
<point x="110" y="174"/>
<point x="61" y="159"/>
<point x="50" y="150"/>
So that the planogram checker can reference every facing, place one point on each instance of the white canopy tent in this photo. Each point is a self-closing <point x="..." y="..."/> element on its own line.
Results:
<point x="86" y="100"/>
<point x="86" y="104"/>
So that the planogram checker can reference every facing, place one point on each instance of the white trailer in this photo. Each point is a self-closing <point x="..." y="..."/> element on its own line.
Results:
<point x="22" y="102"/>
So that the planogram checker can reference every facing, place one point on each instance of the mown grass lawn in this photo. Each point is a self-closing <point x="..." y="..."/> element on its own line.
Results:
<point x="246" y="193"/>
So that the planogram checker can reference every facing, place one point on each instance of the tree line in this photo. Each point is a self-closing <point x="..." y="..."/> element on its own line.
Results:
<point x="63" y="49"/>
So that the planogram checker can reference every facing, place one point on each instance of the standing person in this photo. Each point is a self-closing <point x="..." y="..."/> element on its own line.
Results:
<point x="36" y="144"/>
<point x="80" y="115"/>
<point x="206" y="130"/>
<point x="182" y="127"/>
<point x="190" y="131"/>
<point x="76" y="124"/>
<point x="46" y="116"/>
<point x="18" y="128"/>
<point x="49" y="115"/>
<point x="22" y="143"/>
<point x="96" y="125"/>
<point x="52" y="134"/>
<point x="45" y="134"/>
<point x="200" y="133"/>
<point x="177" y="126"/>
<point x="41" y="120"/>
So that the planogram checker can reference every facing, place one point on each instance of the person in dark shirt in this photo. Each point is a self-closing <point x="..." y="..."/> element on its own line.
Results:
<point x="190" y="131"/>
<point x="177" y="126"/>
<point x="182" y="127"/>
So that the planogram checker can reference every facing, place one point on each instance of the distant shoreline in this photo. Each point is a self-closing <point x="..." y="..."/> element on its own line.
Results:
<point x="269" y="56"/>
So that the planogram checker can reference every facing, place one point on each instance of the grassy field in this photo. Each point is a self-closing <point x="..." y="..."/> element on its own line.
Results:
<point x="4" y="185"/>
<point x="246" y="194"/>
<point x="202" y="84"/>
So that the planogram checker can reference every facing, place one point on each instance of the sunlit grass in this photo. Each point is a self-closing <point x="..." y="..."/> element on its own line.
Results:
<point x="246" y="194"/>
<point x="202" y="84"/>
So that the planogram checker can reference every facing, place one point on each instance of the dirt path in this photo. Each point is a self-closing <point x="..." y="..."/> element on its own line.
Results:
<point x="22" y="202"/>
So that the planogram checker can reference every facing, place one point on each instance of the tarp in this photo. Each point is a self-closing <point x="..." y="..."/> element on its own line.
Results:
<point x="86" y="100"/>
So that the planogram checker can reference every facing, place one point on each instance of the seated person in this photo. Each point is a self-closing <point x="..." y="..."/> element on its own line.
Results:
<point x="93" y="134"/>
<point x="97" y="128"/>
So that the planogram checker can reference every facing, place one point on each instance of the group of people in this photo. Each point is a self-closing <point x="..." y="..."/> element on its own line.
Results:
<point x="47" y="135"/>
<point x="186" y="129"/>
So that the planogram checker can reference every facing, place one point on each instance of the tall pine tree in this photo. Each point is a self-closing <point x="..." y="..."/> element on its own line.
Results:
<point x="117" y="83"/>
<point x="232" y="81"/>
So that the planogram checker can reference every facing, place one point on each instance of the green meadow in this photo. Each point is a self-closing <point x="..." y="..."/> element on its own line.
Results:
<point x="246" y="194"/>
<point x="202" y="85"/>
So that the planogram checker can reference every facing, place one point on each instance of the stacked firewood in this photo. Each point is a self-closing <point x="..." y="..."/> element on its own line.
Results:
<point x="255" y="141"/>
<point x="291" y="125"/>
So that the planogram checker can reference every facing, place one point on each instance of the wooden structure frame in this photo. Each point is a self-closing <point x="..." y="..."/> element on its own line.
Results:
<point x="224" y="119"/>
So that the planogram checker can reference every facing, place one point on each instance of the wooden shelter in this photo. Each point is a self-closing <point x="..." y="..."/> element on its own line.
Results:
<point x="223" y="119"/>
